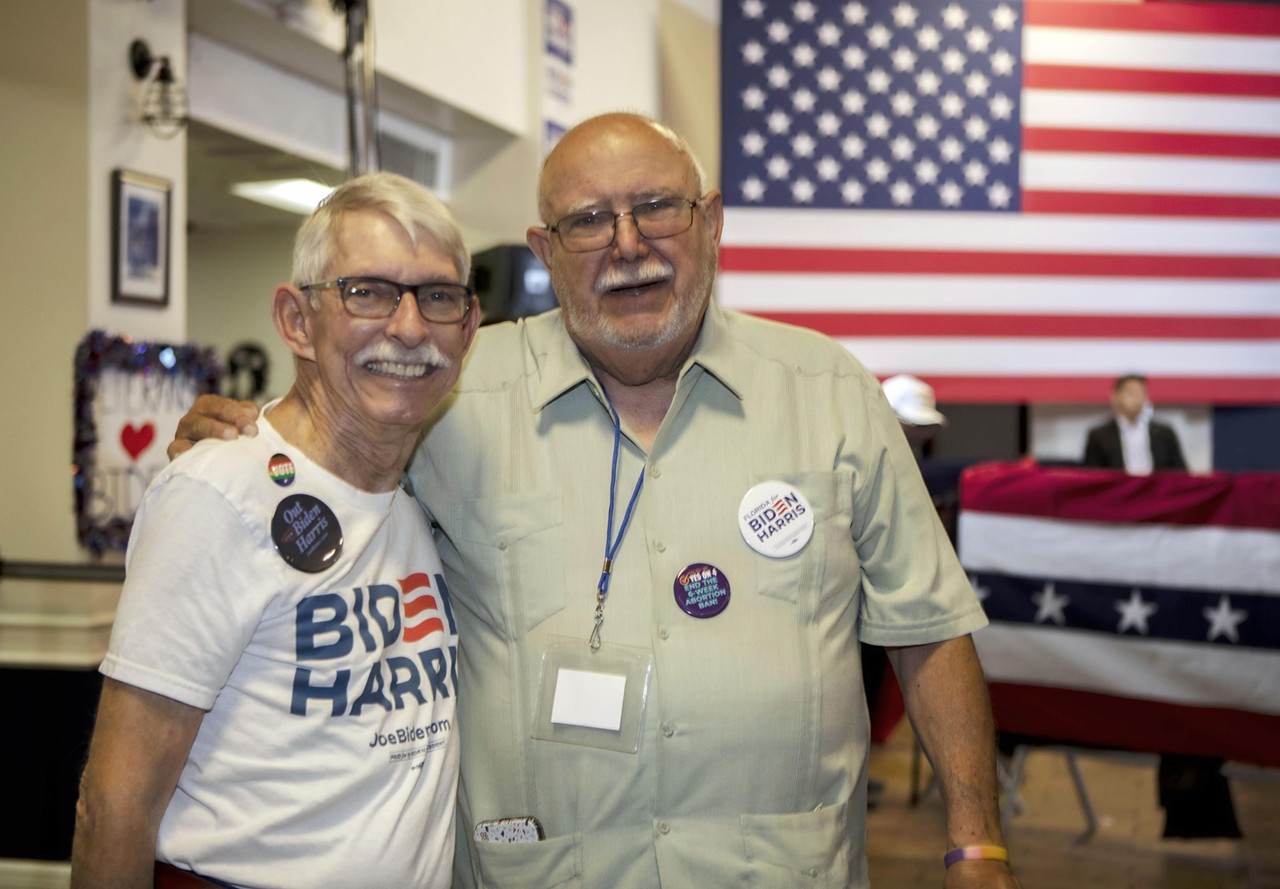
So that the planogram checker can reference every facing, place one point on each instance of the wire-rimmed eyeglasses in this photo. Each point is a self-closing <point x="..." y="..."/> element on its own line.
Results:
<point x="440" y="302"/>
<point x="596" y="229"/>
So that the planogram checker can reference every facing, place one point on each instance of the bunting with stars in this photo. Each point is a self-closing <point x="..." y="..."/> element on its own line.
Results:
<point x="1134" y="613"/>
<point x="1015" y="201"/>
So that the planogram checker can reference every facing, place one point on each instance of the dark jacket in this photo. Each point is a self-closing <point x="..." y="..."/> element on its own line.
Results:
<point x="1104" y="451"/>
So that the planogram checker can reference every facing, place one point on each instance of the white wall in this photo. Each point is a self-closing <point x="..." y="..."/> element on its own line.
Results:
<point x="68" y="99"/>
<point x="689" y="73"/>
<point x="462" y="53"/>
<point x="233" y="274"/>
<point x="616" y="57"/>
<point x="708" y="10"/>
<point x="118" y="140"/>
<point x="44" y="309"/>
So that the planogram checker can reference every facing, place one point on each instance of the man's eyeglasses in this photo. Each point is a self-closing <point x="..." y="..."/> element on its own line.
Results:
<point x="596" y="229"/>
<point x="439" y="302"/>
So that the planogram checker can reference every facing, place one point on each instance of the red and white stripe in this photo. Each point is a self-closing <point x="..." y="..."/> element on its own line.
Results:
<point x="421" y="608"/>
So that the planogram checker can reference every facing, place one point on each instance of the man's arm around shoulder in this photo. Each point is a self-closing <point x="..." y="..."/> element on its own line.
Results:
<point x="213" y="416"/>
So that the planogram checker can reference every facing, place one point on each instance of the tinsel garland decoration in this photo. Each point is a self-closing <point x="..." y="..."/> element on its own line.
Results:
<point x="98" y="352"/>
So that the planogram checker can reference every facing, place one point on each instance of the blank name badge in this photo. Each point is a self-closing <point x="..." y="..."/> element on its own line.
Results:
<point x="592" y="698"/>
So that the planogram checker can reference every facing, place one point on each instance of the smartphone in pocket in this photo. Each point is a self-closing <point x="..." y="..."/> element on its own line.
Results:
<point x="525" y="829"/>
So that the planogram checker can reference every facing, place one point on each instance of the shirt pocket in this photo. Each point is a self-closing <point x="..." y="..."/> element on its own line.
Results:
<point x="554" y="862"/>
<point x="802" y="574"/>
<point x="511" y="549"/>
<point x="804" y="849"/>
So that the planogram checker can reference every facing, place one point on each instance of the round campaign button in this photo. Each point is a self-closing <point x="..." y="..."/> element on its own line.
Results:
<point x="281" y="470"/>
<point x="775" y="519"/>
<point x="306" y="533"/>
<point x="702" y="590"/>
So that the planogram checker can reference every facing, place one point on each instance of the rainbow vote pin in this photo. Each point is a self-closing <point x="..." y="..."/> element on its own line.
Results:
<point x="281" y="470"/>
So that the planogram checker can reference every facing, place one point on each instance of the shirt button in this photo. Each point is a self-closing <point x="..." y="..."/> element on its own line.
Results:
<point x="813" y="871"/>
<point x="502" y="544"/>
<point x="668" y="729"/>
<point x="660" y="546"/>
<point x="664" y="827"/>
<point x="664" y="633"/>
<point x="656" y="471"/>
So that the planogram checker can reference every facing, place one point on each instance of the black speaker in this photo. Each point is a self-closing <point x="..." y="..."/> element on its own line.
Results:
<point x="511" y="283"/>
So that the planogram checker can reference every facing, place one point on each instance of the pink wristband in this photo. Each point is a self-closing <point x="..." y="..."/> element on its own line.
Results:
<point x="976" y="853"/>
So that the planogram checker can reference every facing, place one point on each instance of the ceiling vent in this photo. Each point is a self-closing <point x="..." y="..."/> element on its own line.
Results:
<point x="416" y="153"/>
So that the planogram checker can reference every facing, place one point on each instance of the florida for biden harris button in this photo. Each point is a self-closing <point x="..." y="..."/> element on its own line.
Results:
<point x="775" y="519"/>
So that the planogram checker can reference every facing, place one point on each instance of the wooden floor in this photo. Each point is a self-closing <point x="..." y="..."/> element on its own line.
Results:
<point x="905" y="842"/>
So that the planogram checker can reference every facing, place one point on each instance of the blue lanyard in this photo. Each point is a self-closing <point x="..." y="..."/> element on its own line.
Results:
<point x="611" y="543"/>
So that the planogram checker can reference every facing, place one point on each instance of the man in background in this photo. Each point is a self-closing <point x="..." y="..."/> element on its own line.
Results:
<point x="1194" y="793"/>
<point x="916" y="407"/>
<point x="1131" y="440"/>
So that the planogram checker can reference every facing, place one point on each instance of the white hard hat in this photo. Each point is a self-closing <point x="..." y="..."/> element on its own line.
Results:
<point x="912" y="400"/>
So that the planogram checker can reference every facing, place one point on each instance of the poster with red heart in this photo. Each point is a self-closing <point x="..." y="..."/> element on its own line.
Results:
<point x="136" y="416"/>
<point x="129" y="398"/>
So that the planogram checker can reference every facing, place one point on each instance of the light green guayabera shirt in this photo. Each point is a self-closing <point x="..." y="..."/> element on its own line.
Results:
<point x="752" y="752"/>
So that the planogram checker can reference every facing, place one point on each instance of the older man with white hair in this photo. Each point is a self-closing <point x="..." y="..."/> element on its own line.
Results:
<point x="281" y="681"/>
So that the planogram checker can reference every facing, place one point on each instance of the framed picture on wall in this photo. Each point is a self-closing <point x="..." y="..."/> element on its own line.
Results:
<point x="140" y="238"/>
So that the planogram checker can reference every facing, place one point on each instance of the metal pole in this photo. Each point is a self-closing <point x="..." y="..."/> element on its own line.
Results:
<point x="358" y="62"/>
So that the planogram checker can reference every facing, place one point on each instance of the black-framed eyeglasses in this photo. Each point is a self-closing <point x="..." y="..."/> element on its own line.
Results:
<point x="440" y="302"/>
<point x="596" y="229"/>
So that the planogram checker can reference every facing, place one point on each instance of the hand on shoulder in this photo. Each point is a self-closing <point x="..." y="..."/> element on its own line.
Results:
<point x="213" y="416"/>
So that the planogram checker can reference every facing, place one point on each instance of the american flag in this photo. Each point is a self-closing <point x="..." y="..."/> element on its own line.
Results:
<point x="1134" y="613"/>
<point x="1014" y="201"/>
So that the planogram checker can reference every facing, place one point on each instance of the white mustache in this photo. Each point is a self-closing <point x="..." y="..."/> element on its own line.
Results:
<point x="388" y="353"/>
<point x="616" y="277"/>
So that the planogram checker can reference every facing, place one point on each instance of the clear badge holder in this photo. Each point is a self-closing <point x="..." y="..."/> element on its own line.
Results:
<point x="592" y="698"/>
